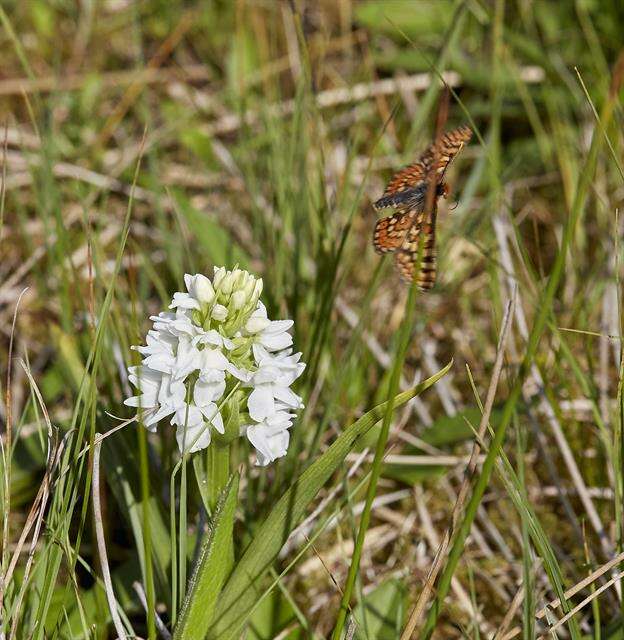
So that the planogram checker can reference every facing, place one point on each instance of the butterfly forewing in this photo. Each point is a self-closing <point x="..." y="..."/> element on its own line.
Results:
<point x="449" y="146"/>
<point x="415" y="175"/>
<point x="410" y="177"/>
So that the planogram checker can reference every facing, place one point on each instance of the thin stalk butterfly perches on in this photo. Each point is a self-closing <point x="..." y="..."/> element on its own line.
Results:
<point x="406" y="192"/>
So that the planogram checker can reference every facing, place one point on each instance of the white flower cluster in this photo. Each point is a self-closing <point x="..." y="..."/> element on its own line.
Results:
<point x="218" y="363"/>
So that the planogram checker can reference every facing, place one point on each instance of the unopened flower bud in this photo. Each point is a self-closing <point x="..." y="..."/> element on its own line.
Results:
<point x="219" y="312"/>
<point x="219" y="274"/>
<point x="249" y="288"/>
<point x="203" y="289"/>
<point x="227" y="284"/>
<point x="238" y="277"/>
<point x="238" y="299"/>
<point x="258" y="289"/>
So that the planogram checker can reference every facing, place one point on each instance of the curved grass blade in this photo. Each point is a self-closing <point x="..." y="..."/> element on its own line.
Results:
<point x="245" y="583"/>
<point x="211" y="570"/>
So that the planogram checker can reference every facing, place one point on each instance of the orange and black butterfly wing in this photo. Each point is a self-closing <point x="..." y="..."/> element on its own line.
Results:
<point x="390" y="232"/>
<point x="410" y="232"/>
<point x="412" y="260"/>
<point x="448" y="147"/>
<point x="407" y="180"/>
<point x="410" y="183"/>
<point x="407" y="257"/>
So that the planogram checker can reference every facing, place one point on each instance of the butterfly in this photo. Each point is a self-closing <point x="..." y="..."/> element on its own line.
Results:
<point x="404" y="231"/>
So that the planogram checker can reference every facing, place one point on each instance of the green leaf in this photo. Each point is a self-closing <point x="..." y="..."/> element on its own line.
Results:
<point x="431" y="18"/>
<point x="211" y="570"/>
<point x="445" y="431"/>
<point x="197" y="142"/>
<point x="43" y="18"/>
<point x="412" y="474"/>
<point x="244" y="586"/>
<point x="385" y="610"/>
<point x="449" y="430"/>
<point x="271" y="617"/>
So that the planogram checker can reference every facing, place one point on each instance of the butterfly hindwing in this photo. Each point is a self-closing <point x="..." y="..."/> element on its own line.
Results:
<point x="390" y="232"/>
<point x="407" y="257"/>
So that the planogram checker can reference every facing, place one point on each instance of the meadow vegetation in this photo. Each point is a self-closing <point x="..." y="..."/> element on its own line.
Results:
<point x="464" y="445"/>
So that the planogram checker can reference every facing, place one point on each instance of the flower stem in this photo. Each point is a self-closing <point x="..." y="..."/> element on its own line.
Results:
<point x="147" y="538"/>
<point x="218" y="471"/>
<point x="218" y="462"/>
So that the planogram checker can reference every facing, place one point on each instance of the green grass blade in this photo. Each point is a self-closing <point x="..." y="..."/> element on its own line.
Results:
<point x="395" y="376"/>
<point x="211" y="570"/>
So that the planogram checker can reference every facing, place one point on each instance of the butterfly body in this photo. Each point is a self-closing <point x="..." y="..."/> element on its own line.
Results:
<point x="409" y="233"/>
<point x="411" y="198"/>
